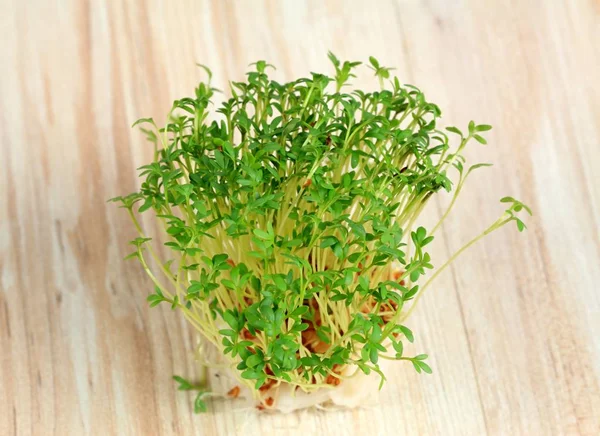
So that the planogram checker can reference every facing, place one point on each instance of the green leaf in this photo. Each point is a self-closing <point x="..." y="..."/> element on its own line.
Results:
<point x="407" y="333"/>
<point x="333" y="59"/>
<point x="454" y="130"/>
<point x="260" y="381"/>
<point x="480" y="139"/>
<point x="399" y="347"/>
<point x="158" y="297"/>
<point x="376" y="333"/>
<point x="374" y="62"/>
<point x="299" y="311"/>
<point x="479" y="165"/>
<point x="374" y="355"/>
<point x="184" y="385"/>
<point x="328" y="241"/>
<point x="227" y="332"/>
<point x="207" y="70"/>
<point x="134" y="255"/>
<point x="230" y="319"/>
<point x="262" y="234"/>
<point x="425" y="367"/>
<point x="253" y="360"/>
<point x="471" y="127"/>
<point x="199" y="404"/>
<point x="143" y="121"/>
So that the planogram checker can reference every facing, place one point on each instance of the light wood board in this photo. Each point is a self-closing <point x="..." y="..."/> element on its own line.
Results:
<point x="513" y="330"/>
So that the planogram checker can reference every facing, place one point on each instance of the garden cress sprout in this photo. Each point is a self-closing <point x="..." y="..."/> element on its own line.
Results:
<point x="292" y="222"/>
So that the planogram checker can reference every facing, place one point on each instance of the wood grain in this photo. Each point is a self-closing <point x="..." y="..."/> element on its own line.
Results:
<point x="512" y="330"/>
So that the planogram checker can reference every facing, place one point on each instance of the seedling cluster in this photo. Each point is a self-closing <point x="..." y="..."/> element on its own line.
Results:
<point x="292" y="221"/>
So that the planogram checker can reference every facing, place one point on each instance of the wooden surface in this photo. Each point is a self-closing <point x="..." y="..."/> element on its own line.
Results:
<point x="513" y="329"/>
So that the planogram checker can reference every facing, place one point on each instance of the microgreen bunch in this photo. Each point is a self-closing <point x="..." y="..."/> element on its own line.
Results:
<point x="292" y="220"/>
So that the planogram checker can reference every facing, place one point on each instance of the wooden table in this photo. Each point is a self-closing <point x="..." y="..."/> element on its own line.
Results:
<point x="512" y="330"/>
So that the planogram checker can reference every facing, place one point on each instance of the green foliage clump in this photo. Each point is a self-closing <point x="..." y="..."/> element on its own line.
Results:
<point x="291" y="218"/>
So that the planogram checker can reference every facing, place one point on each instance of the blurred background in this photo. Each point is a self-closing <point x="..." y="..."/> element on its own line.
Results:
<point x="511" y="330"/>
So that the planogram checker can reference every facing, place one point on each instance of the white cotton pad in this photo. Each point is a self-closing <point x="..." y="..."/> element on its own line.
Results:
<point x="350" y="393"/>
